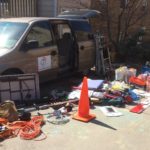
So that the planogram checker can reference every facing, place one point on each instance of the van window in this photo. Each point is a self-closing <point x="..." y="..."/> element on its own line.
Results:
<point x="82" y="36"/>
<point x="60" y="29"/>
<point x="10" y="33"/>
<point x="41" y="33"/>
<point x="64" y="28"/>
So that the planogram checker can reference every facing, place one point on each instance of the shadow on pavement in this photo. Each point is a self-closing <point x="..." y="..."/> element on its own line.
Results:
<point x="102" y="124"/>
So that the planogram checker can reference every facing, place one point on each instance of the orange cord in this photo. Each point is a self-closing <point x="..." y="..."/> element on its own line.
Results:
<point x="26" y="129"/>
<point x="3" y="121"/>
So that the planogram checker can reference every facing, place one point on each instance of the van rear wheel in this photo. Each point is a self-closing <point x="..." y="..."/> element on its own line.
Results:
<point x="12" y="72"/>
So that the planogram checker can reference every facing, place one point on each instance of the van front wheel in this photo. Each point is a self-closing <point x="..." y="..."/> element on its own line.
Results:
<point x="12" y="72"/>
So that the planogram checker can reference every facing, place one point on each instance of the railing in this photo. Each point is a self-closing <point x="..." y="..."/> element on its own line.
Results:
<point x="18" y="8"/>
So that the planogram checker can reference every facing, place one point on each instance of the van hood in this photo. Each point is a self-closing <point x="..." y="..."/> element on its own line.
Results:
<point x="4" y="51"/>
<point x="79" y="14"/>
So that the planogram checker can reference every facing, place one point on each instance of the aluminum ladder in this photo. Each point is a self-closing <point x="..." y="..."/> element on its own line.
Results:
<point x="103" y="57"/>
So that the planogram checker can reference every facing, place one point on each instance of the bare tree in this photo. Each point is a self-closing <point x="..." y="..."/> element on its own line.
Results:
<point x="122" y="16"/>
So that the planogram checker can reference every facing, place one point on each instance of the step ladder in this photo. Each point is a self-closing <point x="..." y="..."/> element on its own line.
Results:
<point x="103" y="57"/>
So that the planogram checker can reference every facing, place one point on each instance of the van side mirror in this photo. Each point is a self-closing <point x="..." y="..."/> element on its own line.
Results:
<point x="32" y="44"/>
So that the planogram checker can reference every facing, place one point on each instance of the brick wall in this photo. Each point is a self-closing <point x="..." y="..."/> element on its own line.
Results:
<point x="47" y="8"/>
<point x="100" y="23"/>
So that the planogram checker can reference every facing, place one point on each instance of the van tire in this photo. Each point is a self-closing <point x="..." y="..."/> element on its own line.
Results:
<point x="12" y="72"/>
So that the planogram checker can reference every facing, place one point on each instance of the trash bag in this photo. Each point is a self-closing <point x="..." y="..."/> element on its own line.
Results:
<point x="8" y="110"/>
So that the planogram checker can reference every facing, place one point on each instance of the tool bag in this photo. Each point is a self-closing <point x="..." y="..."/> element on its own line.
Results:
<point x="8" y="110"/>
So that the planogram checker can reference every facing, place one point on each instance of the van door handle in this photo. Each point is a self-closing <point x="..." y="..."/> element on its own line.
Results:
<point x="53" y="53"/>
<point x="82" y="47"/>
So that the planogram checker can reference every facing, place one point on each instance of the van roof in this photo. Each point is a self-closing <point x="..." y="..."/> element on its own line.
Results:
<point x="32" y="19"/>
<point x="77" y="24"/>
<point x="24" y="19"/>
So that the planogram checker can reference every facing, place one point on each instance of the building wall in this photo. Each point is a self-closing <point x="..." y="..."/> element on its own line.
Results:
<point x="100" y="23"/>
<point x="72" y="4"/>
<point x="51" y="8"/>
<point x="47" y="8"/>
<point x="18" y="8"/>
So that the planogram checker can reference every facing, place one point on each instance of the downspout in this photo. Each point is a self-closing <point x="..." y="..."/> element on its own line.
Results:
<point x="55" y="7"/>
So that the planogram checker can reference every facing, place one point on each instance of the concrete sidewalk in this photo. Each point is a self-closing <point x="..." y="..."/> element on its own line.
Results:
<point x="128" y="132"/>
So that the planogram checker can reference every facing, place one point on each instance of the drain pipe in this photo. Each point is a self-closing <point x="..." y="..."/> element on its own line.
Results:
<point x="55" y="7"/>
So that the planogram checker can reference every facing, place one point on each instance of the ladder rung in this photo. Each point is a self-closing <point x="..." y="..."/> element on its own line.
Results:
<point x="106" y="58"/>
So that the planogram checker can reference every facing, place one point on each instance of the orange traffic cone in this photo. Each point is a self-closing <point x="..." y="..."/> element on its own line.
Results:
<point x="83" y="109"/>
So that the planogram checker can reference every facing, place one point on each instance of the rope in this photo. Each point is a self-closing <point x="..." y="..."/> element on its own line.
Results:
<point x="32" y="129"/>
<point x="3" y="121"/>
<point x="26" y="129"/>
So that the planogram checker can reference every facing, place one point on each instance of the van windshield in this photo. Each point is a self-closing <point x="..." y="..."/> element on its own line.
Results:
<point x="10" y="33"/>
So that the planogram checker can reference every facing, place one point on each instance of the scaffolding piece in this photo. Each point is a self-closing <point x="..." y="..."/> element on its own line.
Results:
<point x="21" y="87"/>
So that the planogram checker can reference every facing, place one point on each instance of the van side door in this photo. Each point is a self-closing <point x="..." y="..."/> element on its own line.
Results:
<point x="86" y="50"/>
<point x="41" y="51"/>
<point x="86" y="44"/>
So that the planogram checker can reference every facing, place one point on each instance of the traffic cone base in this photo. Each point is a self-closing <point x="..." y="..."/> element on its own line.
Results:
<point x="85" y="118"/>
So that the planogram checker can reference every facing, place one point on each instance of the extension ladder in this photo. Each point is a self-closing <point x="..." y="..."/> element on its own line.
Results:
<point x="103" y="58"/>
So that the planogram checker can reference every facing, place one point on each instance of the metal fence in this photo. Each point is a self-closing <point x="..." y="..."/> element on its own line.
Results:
<point x="18" y="8"/>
